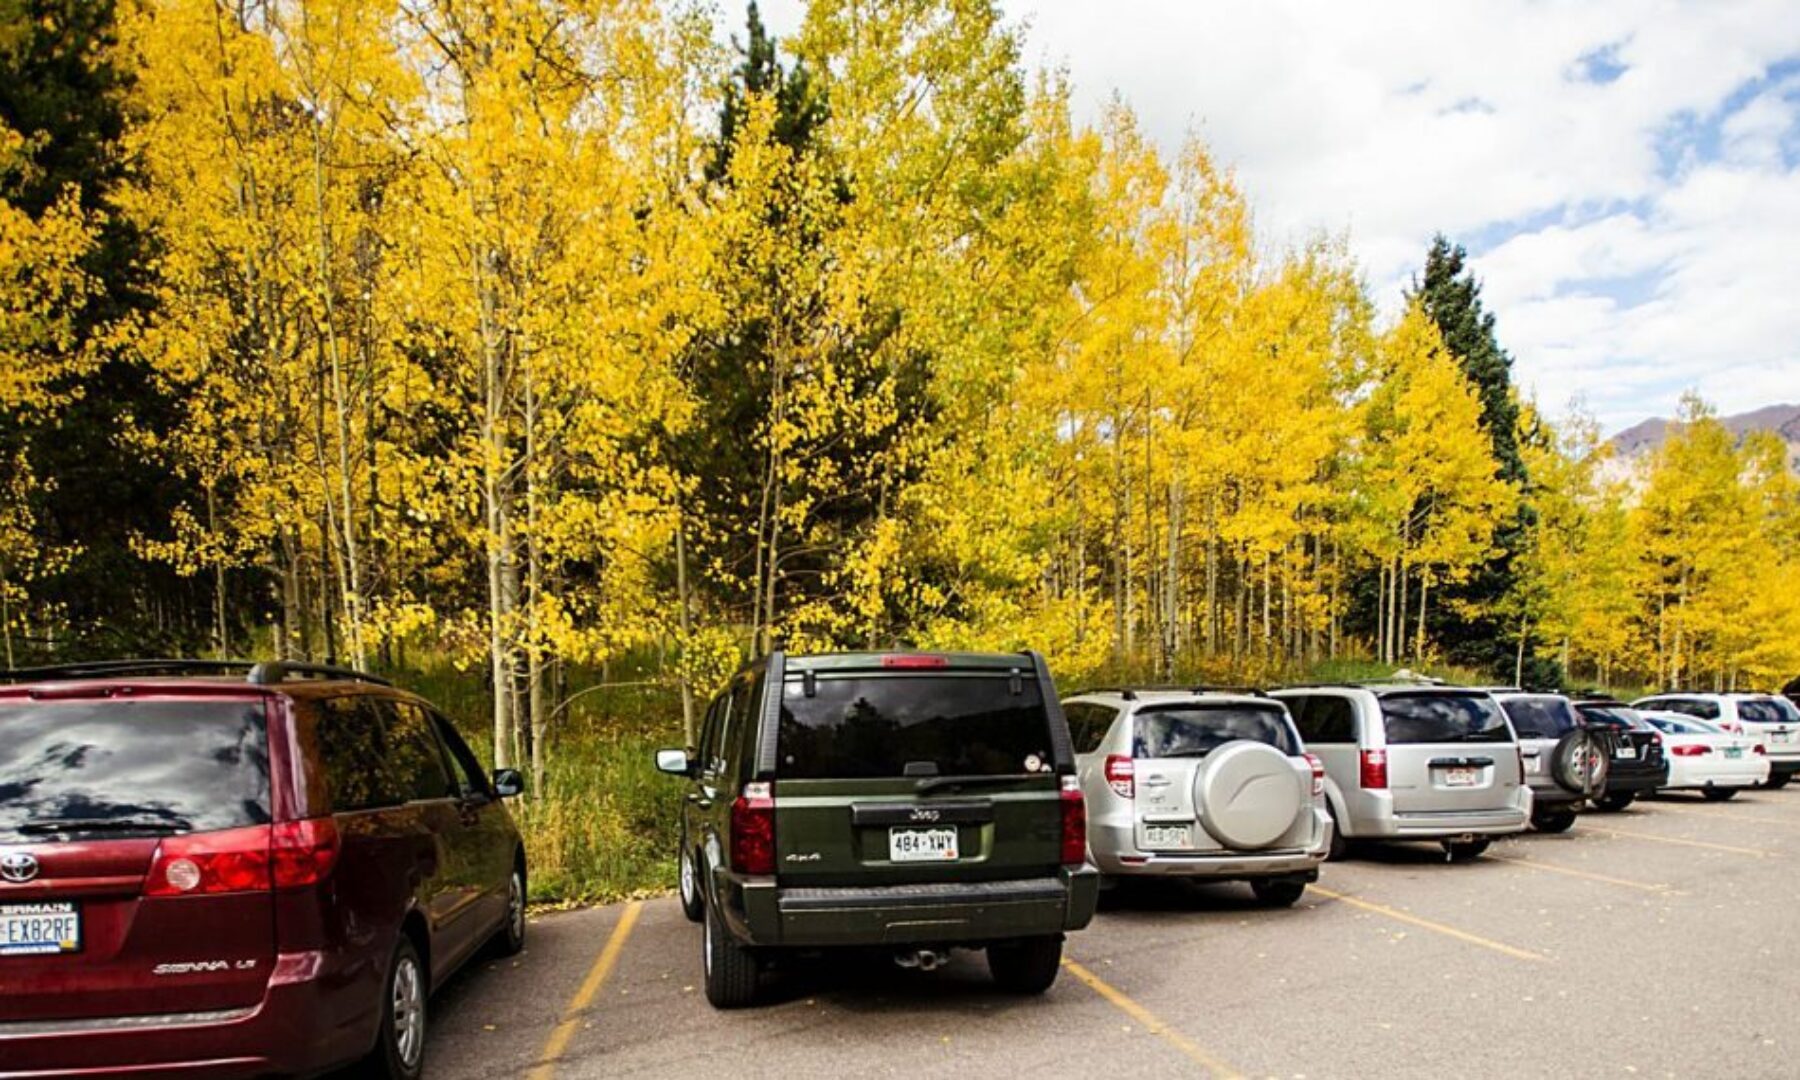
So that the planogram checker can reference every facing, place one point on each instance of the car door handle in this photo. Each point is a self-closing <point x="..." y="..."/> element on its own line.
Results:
<point x="1156" y="781"/>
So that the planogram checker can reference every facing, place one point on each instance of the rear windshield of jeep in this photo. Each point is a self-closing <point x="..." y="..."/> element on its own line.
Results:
<point x="871" y="727"/>
<point x="1439" y="717"/>
<point x="1174" y="731"/>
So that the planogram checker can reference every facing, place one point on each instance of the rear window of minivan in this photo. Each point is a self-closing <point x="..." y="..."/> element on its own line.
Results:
<point x="132" y="767"/>
<point x="868" y="727"/>
<point x="1192" y="730"/>
<point x="1439" y="717"/>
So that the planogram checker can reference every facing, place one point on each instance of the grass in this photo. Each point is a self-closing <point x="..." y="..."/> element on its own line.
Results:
<point x="605" y="826"/>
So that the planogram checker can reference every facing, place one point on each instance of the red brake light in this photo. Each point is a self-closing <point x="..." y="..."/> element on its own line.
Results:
<point x="230" y="861"/>
<point x="303" y="852"/>
<point x="1121" y="776"/>
<point x="1318" y="774"/>
<point x="1074" y="823"/>
<point x="1761" y="750"/>
<point x="913" y="660"/>
<point x="1374" y="770"/>
<point x="1690" y="750"/>
<point x="753" y="830"/>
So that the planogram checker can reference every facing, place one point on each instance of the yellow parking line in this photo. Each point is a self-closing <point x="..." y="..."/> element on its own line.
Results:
<point x="1150" y="1021"/>
<point x="596" y="977"/>
<point x="1754" y="853"/>
<point x="1436" y="927"/>
<point x="1572" y="872"/>
<point x="1718" y="813"/>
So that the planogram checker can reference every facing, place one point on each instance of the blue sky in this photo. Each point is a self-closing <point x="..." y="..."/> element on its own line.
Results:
<point x="1626" y="176"/>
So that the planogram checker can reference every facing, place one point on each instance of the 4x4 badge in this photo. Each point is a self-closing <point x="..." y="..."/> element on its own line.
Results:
<point x="18" y="867"/>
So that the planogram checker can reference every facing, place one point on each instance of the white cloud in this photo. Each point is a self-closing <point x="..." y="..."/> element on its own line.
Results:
<point x="1632" y="207"/>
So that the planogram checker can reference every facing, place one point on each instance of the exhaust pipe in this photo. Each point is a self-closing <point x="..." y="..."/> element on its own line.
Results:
<point x="922" y="959"/>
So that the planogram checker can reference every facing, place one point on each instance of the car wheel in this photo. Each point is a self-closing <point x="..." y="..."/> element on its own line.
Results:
<point x="399" y="1052"/>
<point x="1340" y="844"/>
<point x="1468" y="850"/>
<point x="733" y="975"/>
<point x="1777" y="781"/>
<point x="1614" y="803"/>
<point x="1028" y="966"/>
<point x="1553" y="821"/>
<point x="1719" y="794"/>
<point x="509" y="940"/>
<point x="693" y="901"/>
<point x="1278" y="893"/>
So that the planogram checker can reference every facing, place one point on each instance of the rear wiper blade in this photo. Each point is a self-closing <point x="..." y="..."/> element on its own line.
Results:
<point x="957" y="783"/>
<point x="67" y="825"/>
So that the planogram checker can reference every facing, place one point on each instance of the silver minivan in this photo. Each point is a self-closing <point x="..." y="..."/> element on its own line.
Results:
<point x="1414" y="760"/>
<point x="1199" y="784"/>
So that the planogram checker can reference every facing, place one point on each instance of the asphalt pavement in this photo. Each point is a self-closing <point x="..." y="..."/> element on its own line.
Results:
<point x="1657" y="942"/>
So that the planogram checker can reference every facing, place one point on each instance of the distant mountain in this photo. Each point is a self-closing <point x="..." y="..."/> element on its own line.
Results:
<point x="1643" y="438"/>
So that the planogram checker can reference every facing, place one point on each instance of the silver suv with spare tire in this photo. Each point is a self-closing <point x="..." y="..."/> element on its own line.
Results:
<point x="1412" y="759"/>
<point x="1566" y="763"/>
<point x="1200" y="784"/>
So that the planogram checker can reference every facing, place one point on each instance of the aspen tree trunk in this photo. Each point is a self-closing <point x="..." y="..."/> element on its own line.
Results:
<point x="221" y="633"/>
<point x="6" y="630"/>
<point x="1171" y="572"/>
<point x="1210" y="641"/>
<point x="496" y="509"/>
<point x="1419" y="645"/>
<point x="686" y="622"/>
<point x="1519" y="657"/>
<point x="534" y="585"/>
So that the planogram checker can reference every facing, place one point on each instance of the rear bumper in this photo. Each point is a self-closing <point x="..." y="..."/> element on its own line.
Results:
<point x="959" y="913"/>
<point x="1636" y="779"/>
<point x="280" y="1034"/>
<point x="1784" y="766"/>
<point x="1114" y="851"/>
<point x="1449" y="825"/>
<point x="1547" y="792"/>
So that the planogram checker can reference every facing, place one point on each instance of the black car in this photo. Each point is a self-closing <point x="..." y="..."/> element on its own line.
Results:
<point x="1638" y="765"/>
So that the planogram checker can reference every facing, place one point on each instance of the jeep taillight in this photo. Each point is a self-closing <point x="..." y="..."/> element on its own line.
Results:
<point x="1120" y="776"/>
<point x="1373" y="774"/>
<point x="1074" y="822"/>
<point x="1318" y="774"/>
<point x="753" y="830"/>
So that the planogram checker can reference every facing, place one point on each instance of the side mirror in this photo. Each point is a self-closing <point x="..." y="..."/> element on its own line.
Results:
<point x="508" y="783"/>
<point x="675" y="762"/>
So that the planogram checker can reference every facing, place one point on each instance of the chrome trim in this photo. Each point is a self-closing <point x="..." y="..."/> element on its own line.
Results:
<point x="20" y="1029"/>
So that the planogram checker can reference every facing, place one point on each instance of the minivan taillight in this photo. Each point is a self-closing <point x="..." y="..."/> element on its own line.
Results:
<point x="1318" y="773"/>
<point x="303" y="852"/>
<point x="230" y="861"/>
<point x="1374" y="770"/>
<point x="1121" y="776"/>
<point x="753" y="830"/>
<point x="1074" y="822"/>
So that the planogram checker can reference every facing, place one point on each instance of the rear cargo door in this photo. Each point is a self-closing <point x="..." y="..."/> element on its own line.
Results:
<point x="911" y="776"/>
<point x="1448" y="752"/>
<point x="1171" y="745"/>
<point x="106" y="802"/>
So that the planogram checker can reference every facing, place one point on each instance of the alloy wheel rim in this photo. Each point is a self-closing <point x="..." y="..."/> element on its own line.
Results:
<point x="687" y="877"/>
<point x="409" y="1012"/>
<point x="706" y="948"/>
<point x="515" y="907"/>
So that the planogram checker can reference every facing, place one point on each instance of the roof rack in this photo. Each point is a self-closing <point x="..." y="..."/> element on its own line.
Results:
<point x="1130" y="693"/>
<point x="258" y="673"/>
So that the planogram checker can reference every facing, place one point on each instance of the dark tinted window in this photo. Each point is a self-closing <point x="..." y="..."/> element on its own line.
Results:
<point x="464" y="768"/>
<point x="1704" y="710"/>
<point x="1440" y="717"/>
<point x="1540" y="717"/>
<point x="414" y="753"/>
<point x="187" y="765"/>
<point x="1612" y="716"/>
<point x="974" y="725"/>
<point x="353" y="749"/>
<point x="1761" y="712"/>
<point x="1088" y="724"/>
<point x="1167" y="731"/>
<point x="1324" y="718"/>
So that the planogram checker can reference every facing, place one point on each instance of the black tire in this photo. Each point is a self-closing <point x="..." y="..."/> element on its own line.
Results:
<point x="1027" y="966"/>
<point x="733" y="974"/>
<point x="1579" y="763"/>
<point x="509" y="939"/>
<point x="693" y="897"/>
<point x="1553" y="821"/>
<point x="1615" y="802"/>
<point x="1277" y="892"/>
<point x="1777" y="781"/>
<point x="1340" y="844"/>
<point x="396" y="1056"/>
<point x="1719" y="794"/>
<point x="1459" y="851"/>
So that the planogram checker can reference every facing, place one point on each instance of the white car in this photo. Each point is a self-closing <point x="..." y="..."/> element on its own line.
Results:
<point x="1703" y="757"/>
<point x="1763" y="717"/>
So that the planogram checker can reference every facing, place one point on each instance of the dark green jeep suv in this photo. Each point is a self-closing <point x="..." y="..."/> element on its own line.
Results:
<point x="900" y="801"/>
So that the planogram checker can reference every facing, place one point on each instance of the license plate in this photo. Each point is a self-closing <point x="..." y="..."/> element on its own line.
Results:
<point x="1781" y="736"/>
<point x="1734" y="751"/>
<point x="1627" y="752"/>
<point x="39" y="929"/>
<point x="1166" y="836"/>
<point x="1462" y="776"/>
<point x="922" y="845"/>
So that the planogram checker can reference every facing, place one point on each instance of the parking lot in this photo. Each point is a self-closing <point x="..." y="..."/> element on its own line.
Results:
<point x="1656" y="942"/>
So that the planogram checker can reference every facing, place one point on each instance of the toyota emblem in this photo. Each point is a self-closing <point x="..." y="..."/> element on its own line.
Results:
<point x="17" y="867"/>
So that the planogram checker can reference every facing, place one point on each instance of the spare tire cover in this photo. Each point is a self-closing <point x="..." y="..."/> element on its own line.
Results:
<point x="1579" y="763"/>
<point x="1248" y="794"/>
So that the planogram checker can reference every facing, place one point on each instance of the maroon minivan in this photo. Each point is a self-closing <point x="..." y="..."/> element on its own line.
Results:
<point x="203" y="874"/>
